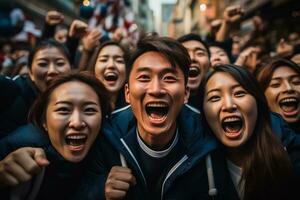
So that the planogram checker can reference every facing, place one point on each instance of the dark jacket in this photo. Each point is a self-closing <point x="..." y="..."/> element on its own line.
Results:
<point x="186" y="179"/>
<point x="17" y="96"/>
<point x="61" y="176"/>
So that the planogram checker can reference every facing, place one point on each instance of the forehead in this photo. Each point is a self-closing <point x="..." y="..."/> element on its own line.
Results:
<point x="73" y="90"/>
<point x="152" y="61"/>
<point x="220" y="79"/>
<point x="284" y="71"/>
<point x="111" y="50"/>
<point x="49" y="52"/>
<point x="214" y="49"/>
<point x="193" y="44"/>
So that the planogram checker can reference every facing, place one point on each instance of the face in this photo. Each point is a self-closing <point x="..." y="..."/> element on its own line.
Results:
<point x="283" y="93"/>
<point x="230" y="110"/>
<point x="218" y="56"/>
<point x="48" y="63"/>
<point x="200" y="63"/>
<point x="61" y="35"/>
<point x="156" y="93"/>
<point x="73" y="119"/>
<point x="110" y="68"/>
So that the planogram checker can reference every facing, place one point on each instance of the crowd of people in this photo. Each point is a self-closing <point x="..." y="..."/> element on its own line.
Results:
<point x="87" y="116"/>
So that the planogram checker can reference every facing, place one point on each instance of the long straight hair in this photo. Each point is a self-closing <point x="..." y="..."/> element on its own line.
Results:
<point x="267" y="166"/>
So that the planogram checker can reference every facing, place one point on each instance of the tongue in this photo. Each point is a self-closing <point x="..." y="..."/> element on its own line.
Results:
<point x="289" y="108"/>
<point x="156" y="115"/>
<point x="233" y="128"/>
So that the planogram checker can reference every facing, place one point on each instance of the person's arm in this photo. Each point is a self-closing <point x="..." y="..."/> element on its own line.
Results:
<point x="52" y="19"/>
<point x="232" y="14"/>
<point x="77" y="30"/>
<point x="89" y="42"/>
<point x="9" y="91"/>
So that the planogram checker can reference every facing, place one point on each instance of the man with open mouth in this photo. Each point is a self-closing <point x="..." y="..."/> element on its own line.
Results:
<point x="154" y="148"/>
<point x="280" y="81"/>
<point x="200" y="56"/>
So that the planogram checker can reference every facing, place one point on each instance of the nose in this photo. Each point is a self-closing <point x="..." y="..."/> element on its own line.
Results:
<point x="228" y="104"/>
<point x="156" y="88"/>
<point x="192" y="55"/>
<point x="214" y="58"/>
<point x="76" y="121"/>
<point x="111" y="63"/>
<point x="288" y="87"/>
<point x="52" y="70"/>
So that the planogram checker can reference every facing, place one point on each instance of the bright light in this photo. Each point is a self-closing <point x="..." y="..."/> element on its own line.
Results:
<point x="203" y="7"/>
<point x="86" y="2"/>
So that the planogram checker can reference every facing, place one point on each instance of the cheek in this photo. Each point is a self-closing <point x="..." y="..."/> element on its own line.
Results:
<point x="99" y="68"/>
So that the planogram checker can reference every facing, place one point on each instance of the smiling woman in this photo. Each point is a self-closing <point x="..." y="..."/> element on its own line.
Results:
<point x="68" y="115"/>
<point x="236" y="112"/>
<point x="109" y="67"/>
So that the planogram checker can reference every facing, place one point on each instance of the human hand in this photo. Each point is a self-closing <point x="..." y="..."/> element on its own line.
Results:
<point x="91" y="40"/>
<point x="21" y="165"/>
<point x="78" y="29"/>
<point x="248" y="58"/>
<point x="233" y="14"/>
<point x="118" y="182"/>
<point x="53" y="17"/>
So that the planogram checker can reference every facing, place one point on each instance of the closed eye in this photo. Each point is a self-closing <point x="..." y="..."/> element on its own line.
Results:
<point x="90" y="110"/>
<point x="214" y="98"/>
<point x="240" y="93"/>
<point x="63" y="110"/>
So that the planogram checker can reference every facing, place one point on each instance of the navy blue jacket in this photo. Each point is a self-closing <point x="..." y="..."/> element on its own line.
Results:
<point x="16" y="97"/>
<point x="61" y="176"/>
<point x="187" y="178"/>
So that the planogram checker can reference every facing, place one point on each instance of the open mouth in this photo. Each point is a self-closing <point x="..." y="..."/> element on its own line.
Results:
<point x="232" y="124"/>
<point x="194" y="72"/>
<point x="75" y="139"/>
<point x="289" y="104"/>
<point x="157" y="110"/>
<point x="111" y="76"/>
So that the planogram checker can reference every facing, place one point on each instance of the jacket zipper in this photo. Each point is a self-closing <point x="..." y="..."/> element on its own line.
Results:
<point x="173" y="169"/>
<point x="136" y="162"/>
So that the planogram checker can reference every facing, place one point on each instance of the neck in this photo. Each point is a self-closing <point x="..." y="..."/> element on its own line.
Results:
<point x="158" y="142"/>
<point x="236" y="155"/>
<point x="113" y="100"/>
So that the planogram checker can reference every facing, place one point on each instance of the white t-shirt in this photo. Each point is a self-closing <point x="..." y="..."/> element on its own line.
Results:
<point x="236" y="174"/>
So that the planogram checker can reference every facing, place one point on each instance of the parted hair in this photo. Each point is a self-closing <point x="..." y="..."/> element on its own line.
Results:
<point x="170" y="48"/>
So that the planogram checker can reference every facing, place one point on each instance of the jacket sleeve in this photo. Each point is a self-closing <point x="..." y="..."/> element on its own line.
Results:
<point x="289" y="138"/>
<point x="9" y="91"/>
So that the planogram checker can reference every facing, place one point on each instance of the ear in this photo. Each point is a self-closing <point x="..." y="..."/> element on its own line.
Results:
<point x="45" y="126"/>
<point x="31" y="75"/>
<point x="186" y="94"/>
<point x="126" y="88"/>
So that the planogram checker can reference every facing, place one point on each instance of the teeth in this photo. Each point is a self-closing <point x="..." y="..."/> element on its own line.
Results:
<point x="157" y="105"/>
<point x="76" y="137"/>
<point x="232" y="119"/>
<point x="289" y="100"/>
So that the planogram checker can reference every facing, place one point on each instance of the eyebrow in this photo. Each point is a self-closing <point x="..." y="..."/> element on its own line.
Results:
<point x="164" y="71"/>
<point x="69" y="103"/>
<point x="217" y="89"/>
<point x="292" y="76"/>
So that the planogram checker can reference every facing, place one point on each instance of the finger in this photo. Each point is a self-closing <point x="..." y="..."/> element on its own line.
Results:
<point x="17" y="171"/>
<point x="26" y="160"/>
<point x="114" y="194"/>
<point x="6" y="179"/>
<point x="120" y="169"/>
<point x="118" y="185"/>
<point x="40" y="157"/>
